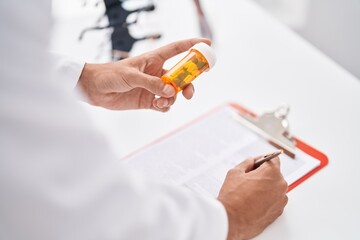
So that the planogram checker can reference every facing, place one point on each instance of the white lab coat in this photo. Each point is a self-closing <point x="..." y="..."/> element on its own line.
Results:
<point x="58" y="178"/>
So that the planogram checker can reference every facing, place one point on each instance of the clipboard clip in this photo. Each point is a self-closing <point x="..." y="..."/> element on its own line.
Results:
<point x="274" y="127"/>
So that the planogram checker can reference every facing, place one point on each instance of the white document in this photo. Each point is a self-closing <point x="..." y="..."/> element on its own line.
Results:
<point x="199" y="155"/>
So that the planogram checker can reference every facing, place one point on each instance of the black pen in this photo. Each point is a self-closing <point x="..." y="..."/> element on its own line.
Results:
<point x="266" y="158"/>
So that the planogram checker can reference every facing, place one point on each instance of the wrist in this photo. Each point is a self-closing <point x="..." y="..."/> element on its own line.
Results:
<point x="86" y="81"/>
<point x="85" y="76"/>
<point x="234" y="223"/>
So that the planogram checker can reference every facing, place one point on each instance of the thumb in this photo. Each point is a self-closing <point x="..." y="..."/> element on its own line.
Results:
<point x="154" y="85"/>
<point x="247" y="165"/>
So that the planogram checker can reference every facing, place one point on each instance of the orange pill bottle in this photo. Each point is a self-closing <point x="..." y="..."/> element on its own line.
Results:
<point x="200" y="58"/>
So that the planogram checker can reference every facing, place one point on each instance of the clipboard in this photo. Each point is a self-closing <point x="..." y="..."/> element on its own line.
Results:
<point x="297" y="143"/>
<point x="271" y="126"/>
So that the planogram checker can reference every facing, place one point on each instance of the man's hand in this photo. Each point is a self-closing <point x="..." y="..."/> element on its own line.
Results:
<point x="135" y="83"/>
<point x="253" y="199"/>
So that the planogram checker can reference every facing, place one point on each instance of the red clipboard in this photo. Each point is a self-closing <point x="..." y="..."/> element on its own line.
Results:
<point x="299" y="144"/>
<point x="316" y="154"/>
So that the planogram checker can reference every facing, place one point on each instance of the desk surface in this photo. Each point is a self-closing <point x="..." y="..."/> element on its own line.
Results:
<point x="261" y="64"/>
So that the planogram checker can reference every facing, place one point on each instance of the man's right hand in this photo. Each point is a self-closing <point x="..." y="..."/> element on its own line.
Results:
<point x="253" y="199"/>
<point x="134" y="83"/>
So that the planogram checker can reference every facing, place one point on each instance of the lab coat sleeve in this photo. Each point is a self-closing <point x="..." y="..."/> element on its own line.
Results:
<point x="68" y="70"/>
<point x="59" y="180"/>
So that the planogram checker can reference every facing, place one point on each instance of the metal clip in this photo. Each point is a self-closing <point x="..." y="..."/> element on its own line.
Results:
<point x="274" y="127"/>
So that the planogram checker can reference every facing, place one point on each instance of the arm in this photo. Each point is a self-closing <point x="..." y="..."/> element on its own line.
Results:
<point x="132" y="83"/>
<point x="59" y="180"/>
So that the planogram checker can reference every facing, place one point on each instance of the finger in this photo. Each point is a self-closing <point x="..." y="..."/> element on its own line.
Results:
<point x="272" y="168"/>
<point x="164" y="102"/>
<point x="246" y="165"/>
<point x="172" y="101"/>
<point x="156" y="108"/>
<point x="152" y="84"/>
<point x="188" y="92"/>
<point x="163" y="109"/>
<point x="275" y="162"/>
<point x="175" y="48"/>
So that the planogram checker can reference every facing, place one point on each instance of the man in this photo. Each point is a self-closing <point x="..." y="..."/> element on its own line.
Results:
<point x="58" y="178"/>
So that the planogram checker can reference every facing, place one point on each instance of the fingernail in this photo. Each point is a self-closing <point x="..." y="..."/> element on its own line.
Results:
<point x="168" y="90"/>
<point x="165" y="103"/>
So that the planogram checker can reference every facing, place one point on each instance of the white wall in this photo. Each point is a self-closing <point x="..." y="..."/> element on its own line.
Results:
<point x="333" y="26"/>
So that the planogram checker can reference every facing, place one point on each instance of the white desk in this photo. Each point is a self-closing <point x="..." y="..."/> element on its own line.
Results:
<point x="262" y="64"/>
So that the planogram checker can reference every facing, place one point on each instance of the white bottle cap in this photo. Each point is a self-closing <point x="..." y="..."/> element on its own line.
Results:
<point x="207" y="52"/>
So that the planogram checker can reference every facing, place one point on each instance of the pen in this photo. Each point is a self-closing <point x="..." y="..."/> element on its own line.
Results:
<point x="266" y="158"/>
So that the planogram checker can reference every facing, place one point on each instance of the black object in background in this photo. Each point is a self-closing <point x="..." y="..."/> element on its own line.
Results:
<point x="121" y="39"/>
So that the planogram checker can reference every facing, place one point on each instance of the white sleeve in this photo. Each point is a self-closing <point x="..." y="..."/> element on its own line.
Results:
<point x="67" y="69"/>
<point x="58" y="180"/>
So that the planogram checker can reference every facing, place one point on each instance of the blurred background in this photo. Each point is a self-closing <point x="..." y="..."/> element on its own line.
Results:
<point x="332" y="26"/>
